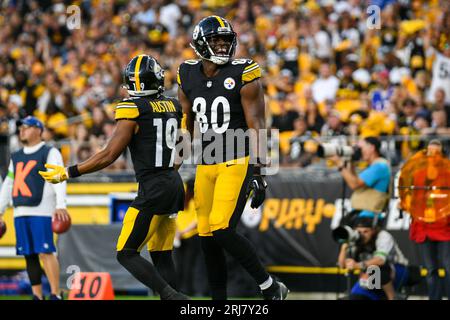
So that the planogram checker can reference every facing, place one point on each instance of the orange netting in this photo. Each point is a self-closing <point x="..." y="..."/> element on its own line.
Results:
<point x="424" y="187"/>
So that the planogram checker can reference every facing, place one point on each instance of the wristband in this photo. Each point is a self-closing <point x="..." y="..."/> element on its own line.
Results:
<point x="73" y="171"/>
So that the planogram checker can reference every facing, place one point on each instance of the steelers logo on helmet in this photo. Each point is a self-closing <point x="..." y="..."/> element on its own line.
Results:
<point x="159" y="72"/>
<point x="214" y="40"/>
<point x="229" y="83"/>
<point x="143" y="76"/>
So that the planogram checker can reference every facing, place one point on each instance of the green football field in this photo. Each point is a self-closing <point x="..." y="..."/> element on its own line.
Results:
<point x="117" y="298"/>
<point x="121" y="297"/>
<point x="292" y="296"/>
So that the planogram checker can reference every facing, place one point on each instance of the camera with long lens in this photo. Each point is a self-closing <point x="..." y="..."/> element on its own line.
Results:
<point x="346" y="234"/>
<point x="326" y="150"/>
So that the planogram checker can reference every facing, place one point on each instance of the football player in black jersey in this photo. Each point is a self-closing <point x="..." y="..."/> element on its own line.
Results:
<point x="222" y="96"/>
<point x="147" y="122"/>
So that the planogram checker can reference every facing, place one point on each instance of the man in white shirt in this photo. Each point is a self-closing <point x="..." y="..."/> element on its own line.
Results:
<point x="35" y="202"/>
<point x="326" y="86"/>
<point x="440" y="72"/>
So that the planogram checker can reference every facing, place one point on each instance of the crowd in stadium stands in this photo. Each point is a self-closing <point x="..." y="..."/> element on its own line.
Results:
<point x="331" y="68"/>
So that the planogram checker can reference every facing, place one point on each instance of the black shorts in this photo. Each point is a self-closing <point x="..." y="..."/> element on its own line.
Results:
<point x="160" y="193"/>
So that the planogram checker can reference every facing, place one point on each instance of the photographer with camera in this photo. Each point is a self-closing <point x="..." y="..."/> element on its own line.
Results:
<point x="369" y="199"/>
<point x="365" y="244"/>
<point x="371" y="186"/>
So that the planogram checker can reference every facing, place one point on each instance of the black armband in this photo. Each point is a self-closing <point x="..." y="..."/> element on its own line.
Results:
<point x="73" y="171"/>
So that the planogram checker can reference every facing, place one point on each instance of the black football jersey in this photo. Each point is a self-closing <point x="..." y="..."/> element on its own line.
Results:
<point x="152" y="147"/>
<point x="216" y="102"/>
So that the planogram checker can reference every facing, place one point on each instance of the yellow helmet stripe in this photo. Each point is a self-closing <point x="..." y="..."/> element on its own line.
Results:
<point x="220" y="21"/>
<point x="136" y="72"/>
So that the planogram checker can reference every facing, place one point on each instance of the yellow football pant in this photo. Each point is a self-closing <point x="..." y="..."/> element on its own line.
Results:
<point x="220" y="194"/>
<point x="139" y="228"/>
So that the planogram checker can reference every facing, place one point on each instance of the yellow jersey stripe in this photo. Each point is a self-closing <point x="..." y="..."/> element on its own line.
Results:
<point x="136" y="73"/>
<point x="126" y="107"/>
<point x="128" y="224"/>
<point x="249" y="70"/>
<point x="178" y="79"/>
<point x="127" y="103"/>
<point x="252" y="75"/>
<point x="120" y="105"/>
<point x="220" y="21"/>
<point x="127" y="113"/>
<point x="251" y="66"/>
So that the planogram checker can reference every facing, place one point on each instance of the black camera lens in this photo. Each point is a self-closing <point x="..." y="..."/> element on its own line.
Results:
<point x="345" y="234"/>
<point x="357" y="153"/>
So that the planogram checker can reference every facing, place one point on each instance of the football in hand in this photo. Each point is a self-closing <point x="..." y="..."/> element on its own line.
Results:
<point x="60" y="226"/>
<point x="2" y="228"/>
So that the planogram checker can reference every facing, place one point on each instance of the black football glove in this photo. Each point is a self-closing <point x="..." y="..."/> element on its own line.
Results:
<point x="257" y="190"/>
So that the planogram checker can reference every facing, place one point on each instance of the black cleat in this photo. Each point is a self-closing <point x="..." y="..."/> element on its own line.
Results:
<point x="168" y="293"/>
<point x="177" y="296"/>
<point x="36" y="298"/>
<point x="56" y="297"/>
<point x="280" y="292"/>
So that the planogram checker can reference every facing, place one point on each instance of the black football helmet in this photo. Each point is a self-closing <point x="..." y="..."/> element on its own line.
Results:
<point x="204" y="35"/>
<point x="143" y="76"/>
